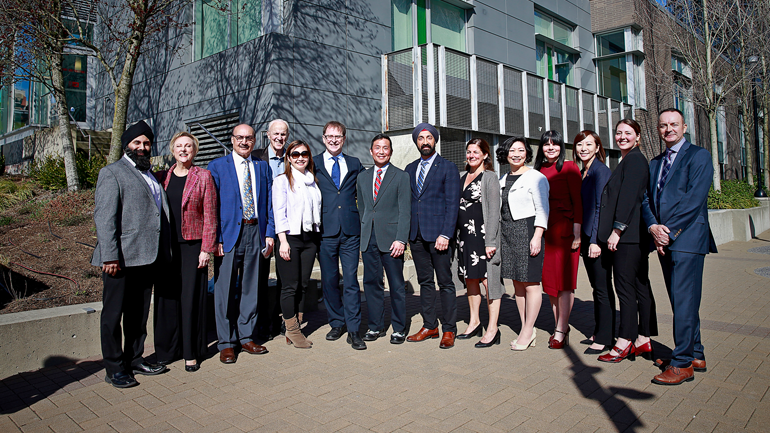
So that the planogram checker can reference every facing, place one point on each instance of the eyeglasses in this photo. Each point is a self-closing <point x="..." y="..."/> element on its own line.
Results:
<point x="246" y="138"/>
<point x="334" y="137"/>
<point x="303" y="154"/>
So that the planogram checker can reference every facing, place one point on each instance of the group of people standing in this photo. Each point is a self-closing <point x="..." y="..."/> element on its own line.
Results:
<point x="529" y="226"/>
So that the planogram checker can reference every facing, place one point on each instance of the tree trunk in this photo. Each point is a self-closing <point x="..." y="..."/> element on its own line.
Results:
<point x="711" y="106"/>
<point x="748" y="131"/>
<point x="64" y="130"/>
<point x="765" y="124"/>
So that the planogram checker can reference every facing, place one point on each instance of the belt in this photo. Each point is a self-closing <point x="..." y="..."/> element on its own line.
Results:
<point x="250" y="222"/>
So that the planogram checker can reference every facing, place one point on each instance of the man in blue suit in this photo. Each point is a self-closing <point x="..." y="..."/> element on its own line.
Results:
<point x="435" y="186"/>
<point x="676" y="214"/>
<point x="340" y="235"/>
<point x="245" y="231"/>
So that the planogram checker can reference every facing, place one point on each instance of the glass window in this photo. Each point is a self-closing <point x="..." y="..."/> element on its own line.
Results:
<point x="553" y="63"/>
<point x="223" y="24"/>
<point x="72" y="28"/>
<point x="447" y="25"/>
<point x="683" y="102"/>
<point x="41" y="104"/>
<point x="680" y="65"/>
<point x="3" y="110"/>
<point x="562" y="33"/>
<point x="613" y="81"/>
<point x="249" y="20"/>
<point x="20" y="104"/>
<point x="553" y="29"/>
<point x="74" y="69"/>
<point x="542" y="24"/>
<point x="401" y="24"/>
<point x="609" y="44"/>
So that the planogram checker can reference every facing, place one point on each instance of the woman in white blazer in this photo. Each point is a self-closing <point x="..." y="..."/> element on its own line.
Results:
<point x="524" y="219"/>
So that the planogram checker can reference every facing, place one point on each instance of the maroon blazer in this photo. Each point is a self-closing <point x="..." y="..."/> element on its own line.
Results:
<point x="199" y="206"/>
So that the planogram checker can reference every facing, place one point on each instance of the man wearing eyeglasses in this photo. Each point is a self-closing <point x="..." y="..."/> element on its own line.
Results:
<point x="340" y="235"/>
<point x="245" y="231"/>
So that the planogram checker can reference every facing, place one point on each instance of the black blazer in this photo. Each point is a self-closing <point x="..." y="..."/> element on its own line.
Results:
<point x="622" y="200"/>
<point x="591" y="191"/>
<point x="339" y="209"/>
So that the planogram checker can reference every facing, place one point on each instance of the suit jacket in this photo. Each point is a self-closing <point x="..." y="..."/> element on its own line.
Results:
<point x="389" y="215"/>
<point x="528" y="197"/>
<point x="622" y="200"/>
<point x="199" y="206"/>
<point x="128" y="223"/>
<point x="434" y="210"/>
<point x="683" y="206"/>
<point x="338" y="206"/>
<point x="260" y="154"/>
<point x="591" y="192"/>
<point x="230" y="202"/>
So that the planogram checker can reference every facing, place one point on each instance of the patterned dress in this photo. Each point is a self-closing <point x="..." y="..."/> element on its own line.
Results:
<point x="515" y="236"/>
<point x="471" y="250"/>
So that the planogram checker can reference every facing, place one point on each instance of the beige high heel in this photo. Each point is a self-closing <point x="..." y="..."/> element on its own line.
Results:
<point x="521" y="347"/>
<point x="294" y="334"/>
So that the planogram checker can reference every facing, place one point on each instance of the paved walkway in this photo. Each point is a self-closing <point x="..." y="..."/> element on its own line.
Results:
<point x="416" y="387"/>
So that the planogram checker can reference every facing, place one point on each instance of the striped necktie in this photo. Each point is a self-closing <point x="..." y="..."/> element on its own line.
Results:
<point x="377" y="183"/>
<point x="421" y="178"/>
<point x="664" y="173"/>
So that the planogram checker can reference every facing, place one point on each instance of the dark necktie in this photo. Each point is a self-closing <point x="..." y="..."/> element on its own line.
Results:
<point x="664" y="173"/>
<point x="336" y="171"/>
<point x="421" y="178"/>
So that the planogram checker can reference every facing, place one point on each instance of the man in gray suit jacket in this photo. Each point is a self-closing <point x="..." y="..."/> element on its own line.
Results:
<point x="132" y="229"/>
<point x="384" y="205"/>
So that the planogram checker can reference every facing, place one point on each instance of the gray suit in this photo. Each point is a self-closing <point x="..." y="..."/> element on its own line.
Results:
<point x="382" y="222"/>
<point x="132" y="230"/>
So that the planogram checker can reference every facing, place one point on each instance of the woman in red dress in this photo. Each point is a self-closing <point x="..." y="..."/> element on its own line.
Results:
<point x="562" y="239"/>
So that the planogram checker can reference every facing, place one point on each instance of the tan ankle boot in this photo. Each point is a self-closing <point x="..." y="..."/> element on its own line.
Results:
<point x="299" y="319"/>
<point x="294" y="334"/>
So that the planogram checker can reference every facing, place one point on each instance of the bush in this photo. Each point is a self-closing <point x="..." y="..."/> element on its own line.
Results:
<point x="49" y="172"/>
<point x="12" y="193"/>
<point x="735" y="194"/>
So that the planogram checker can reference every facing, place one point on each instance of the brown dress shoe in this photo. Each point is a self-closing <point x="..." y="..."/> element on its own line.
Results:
<point x="447" y="340"/>
<point x="674" y="376"/>
<point x="423" y="334"/>
<point x="253" y="348"/>
<point x="227" y="356"/>
<point x="698" y="365"/>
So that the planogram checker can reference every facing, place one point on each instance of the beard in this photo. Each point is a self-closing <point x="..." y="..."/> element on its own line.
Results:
<point x="427" y="150"/>
<point x="142" y="161"/>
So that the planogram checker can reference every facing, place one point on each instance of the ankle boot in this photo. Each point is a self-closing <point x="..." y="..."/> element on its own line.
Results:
<point x="299" y="319"/>
<point x="294" y="334"/>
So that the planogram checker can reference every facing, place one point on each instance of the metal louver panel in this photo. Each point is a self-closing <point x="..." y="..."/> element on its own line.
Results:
<point x="588" y="112"/>
<point x="615" y="113"/>
<point x="400" y="91"/>
<point x="220" y="127"/>
<point x="514" y="102"/>
<point x="554" y="107"/>
<point x="573" y="113"/>
<point x="488" y="101"/>
<point x="458" y="90"/>
<point x="86" y="10"/>
<point x="453" y="146"/>
<point x="604" y="129"/>
<point x="536" y="106"/>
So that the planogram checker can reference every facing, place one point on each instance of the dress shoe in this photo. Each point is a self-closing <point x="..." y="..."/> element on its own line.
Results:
<point x="495" y="340"/>
<point x="148" y="369"/>
<point x="336" y="333"/>
<point x="423" y="334"/>
<point x="587" y="341"/>
<point x="374" y="335"/>
<point x="553" y="343"/>
<point x="475" y="333"/>
<point x="355" y="341"/>
<point x="447" y="340"/>
<point x="698" y="365"/>
<point x="192" y="368"/>
<point x="645" y="350"/>
<point x="521" y="347"/>
<point x="397" y="338"/>
<point x="253" y="348"/>
<point x="628" y="352"/>
<point x="674" y="376"/>
<point x="121" y="380"/>
<point x="167" y="361"/>
<point x="590" y="351"/>
<point x="227" y="356"/>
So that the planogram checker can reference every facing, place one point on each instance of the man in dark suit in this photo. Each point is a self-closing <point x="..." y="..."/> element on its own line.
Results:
<point x="340" y="235"/>
<point x="675" y="211"/>
<point x="269" y="315"/>
<point x="384" y="204"/>
<point x="132" y="229"/>
<point x="245" y="231"/>
<point x="435" y="184"/>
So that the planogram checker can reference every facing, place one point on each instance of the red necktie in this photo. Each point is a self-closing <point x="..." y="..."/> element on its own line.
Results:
<point x="377" y="183"/>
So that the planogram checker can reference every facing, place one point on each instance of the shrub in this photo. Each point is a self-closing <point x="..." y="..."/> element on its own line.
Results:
<point x="12" y="193"/>
<point x="735" y="194"/>
<point x="70" y="208"/>
<point x="49" y="172"/>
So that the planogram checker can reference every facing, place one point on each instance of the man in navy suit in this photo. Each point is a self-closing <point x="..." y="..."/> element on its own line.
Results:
<point x="340" y="235"/>
<point x="435" y="186"/>
<point x="676" y="214"/>
<point x="245" y="231"/>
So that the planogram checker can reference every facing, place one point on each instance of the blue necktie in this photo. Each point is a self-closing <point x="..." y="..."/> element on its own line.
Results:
<point x="421" y="178"/>
<point x="336" y="171"/>
<point x="664" y="174"/>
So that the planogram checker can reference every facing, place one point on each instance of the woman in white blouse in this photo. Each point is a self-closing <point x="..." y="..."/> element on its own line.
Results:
<point x="297" y="213"/>
<point x="523" y="219"/>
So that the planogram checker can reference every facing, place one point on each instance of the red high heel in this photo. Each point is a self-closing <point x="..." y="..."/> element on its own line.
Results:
<point x="553" y="343"/>
<point x="645" y="351"/>
<point x="628" y="352"/>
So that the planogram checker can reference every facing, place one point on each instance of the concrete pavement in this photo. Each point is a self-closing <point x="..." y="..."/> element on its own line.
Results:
<point x="416" y="387"/>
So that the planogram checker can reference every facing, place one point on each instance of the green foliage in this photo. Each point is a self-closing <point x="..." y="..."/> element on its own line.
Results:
<point x="735" y="194"/>
<point x="12" y="193"/>
<point x="5" y="220"/>
<point x="49" y="172"/>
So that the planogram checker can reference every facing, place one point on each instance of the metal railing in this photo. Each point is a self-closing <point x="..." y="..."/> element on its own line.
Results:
<point x="212" y="136"/>
<point x="434" y="84"/>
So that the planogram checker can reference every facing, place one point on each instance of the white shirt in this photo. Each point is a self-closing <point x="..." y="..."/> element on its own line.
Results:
<point x="382" y="176"/>
<point x="329" y="163"/>
<point x="238" y="162"/>
<point x="151" y="182"/>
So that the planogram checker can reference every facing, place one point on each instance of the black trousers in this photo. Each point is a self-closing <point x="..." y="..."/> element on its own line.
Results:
<point x="126" y="297"/>
<point x="599" y="272"/>
<point x="180" y="306"/>
<point x="295" y="273"/>
<point x="426" y="261"/>
<point x="269" y="299"/>
<point x="637" y="306"/>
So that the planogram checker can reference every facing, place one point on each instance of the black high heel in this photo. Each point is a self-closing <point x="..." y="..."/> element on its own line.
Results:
<point x="495" y="340"/>
<point x="475" y="333"/>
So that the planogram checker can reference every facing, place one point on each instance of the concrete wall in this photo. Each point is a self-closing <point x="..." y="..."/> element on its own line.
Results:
<point x="740" y="224"/>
